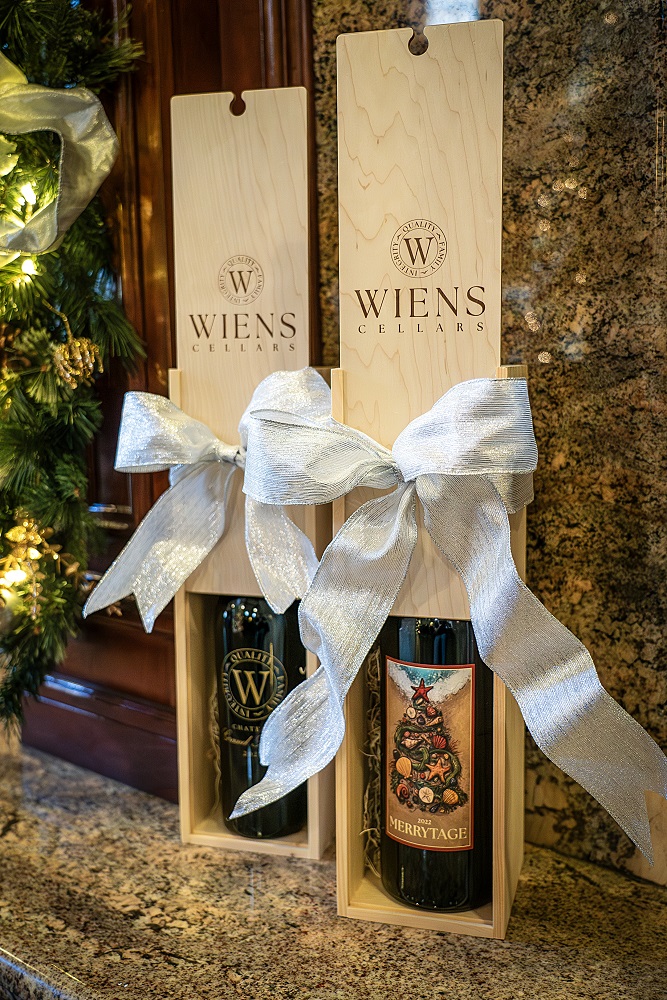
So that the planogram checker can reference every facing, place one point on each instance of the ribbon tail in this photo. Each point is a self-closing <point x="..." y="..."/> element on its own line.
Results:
<point x="172" y="540"/>
<point x="340" y="616"/>
<point x="573" y="720"/>
<point x="282" y="557"/>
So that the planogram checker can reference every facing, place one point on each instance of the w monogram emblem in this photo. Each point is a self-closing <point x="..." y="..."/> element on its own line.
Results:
<point x="254" y="682"/>
<point x="418" y="248"/>
<point x="415" y="249"/>
<point x="241" y="280"/>
<point x="250" y="685"/>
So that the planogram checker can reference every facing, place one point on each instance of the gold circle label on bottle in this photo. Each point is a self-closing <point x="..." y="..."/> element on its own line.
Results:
<point x="428" y="752"/>
<point x="254" y="683"/>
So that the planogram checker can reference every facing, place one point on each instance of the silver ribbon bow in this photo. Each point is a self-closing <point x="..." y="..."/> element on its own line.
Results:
<point x="469" y="460"/>
<point x="189" y="518"/>
<point x="88" y="150"/>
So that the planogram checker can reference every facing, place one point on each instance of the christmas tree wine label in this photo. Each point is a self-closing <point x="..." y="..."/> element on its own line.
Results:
<point x="429" y="755"/>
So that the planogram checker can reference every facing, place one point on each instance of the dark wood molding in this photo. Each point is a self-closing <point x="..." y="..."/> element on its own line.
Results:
<point x="129" y="739"/>
<point x="118" y="654"/>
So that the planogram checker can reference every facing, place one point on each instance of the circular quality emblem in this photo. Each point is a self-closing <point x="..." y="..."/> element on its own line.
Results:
<point x="241" y="279"/>
<point x="254" y="683"/>
<point x="418" y="248"/>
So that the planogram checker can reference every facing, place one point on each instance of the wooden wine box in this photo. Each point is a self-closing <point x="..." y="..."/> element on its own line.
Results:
<point x="241" y="260"/>
<point x="420" y="187"/>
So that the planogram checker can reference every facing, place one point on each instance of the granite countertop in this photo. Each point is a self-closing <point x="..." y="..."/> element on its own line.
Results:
<point x="98" y="899"/>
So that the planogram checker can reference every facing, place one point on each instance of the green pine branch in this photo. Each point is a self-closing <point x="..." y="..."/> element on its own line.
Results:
<point x="50" y="305"/>
<point x="77" y="46"/>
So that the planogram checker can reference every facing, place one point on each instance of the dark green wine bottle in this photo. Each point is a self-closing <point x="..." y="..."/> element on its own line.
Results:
<point x="437" y="766"/>
<point x="259" y="660"/>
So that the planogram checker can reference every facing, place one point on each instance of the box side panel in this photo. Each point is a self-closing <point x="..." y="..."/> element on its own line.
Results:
<point x="183" y="747"/>
<point x="420" y="140"/>
<point x="351" y="777"/>
<point x="201" y="675"/>
<point x="241" y="272"/>
<point x="420" y="197"/>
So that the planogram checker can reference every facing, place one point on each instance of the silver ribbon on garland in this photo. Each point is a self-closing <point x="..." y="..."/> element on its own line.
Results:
<point x="469" y="461"/>
<point x="88" y="150"/>
<point x="188" y="519"/>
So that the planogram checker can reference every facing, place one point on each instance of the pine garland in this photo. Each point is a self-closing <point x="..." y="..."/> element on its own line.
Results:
<point x="60" y="323"/>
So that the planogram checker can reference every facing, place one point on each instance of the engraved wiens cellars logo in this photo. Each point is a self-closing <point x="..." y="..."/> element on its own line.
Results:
<point x="418" y="248"/>
<point x="241" y="280"/>
<point x="266" y="328"/>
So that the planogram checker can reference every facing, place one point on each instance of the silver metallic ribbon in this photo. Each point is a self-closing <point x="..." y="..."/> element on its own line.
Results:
<point x="189" y="518"/>
<point x="88" y="150"/>
<point x="469" y="461"/>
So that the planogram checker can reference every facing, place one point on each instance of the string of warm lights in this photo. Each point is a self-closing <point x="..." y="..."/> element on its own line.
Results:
<point x="26" y="201"/>
<point x="60" y="320"/>
<point x="21" y="567"/>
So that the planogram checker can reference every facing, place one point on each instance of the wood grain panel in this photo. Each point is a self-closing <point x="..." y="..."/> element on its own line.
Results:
<point x="240" y="189"/>
<point x="420" y="137"/>
<point x="241" y="196"/>
<point x="420" y="185"/>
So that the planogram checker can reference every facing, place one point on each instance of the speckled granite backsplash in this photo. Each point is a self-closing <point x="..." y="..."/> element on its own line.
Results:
<point x="585" y="283"/>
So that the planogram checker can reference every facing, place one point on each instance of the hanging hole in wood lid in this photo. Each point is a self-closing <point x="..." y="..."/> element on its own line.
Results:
<point x="237" y="107"/>
<point x="418" y="44"/>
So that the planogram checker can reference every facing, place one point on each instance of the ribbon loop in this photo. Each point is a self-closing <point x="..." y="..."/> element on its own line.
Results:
<point x="189" y="519"/>
<point x="470" y="461"/>
<point x="480" y="427"/>
<point x="308" y="458"/>
<point x="155" y="435"/>
<point x="88" y="150"/>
